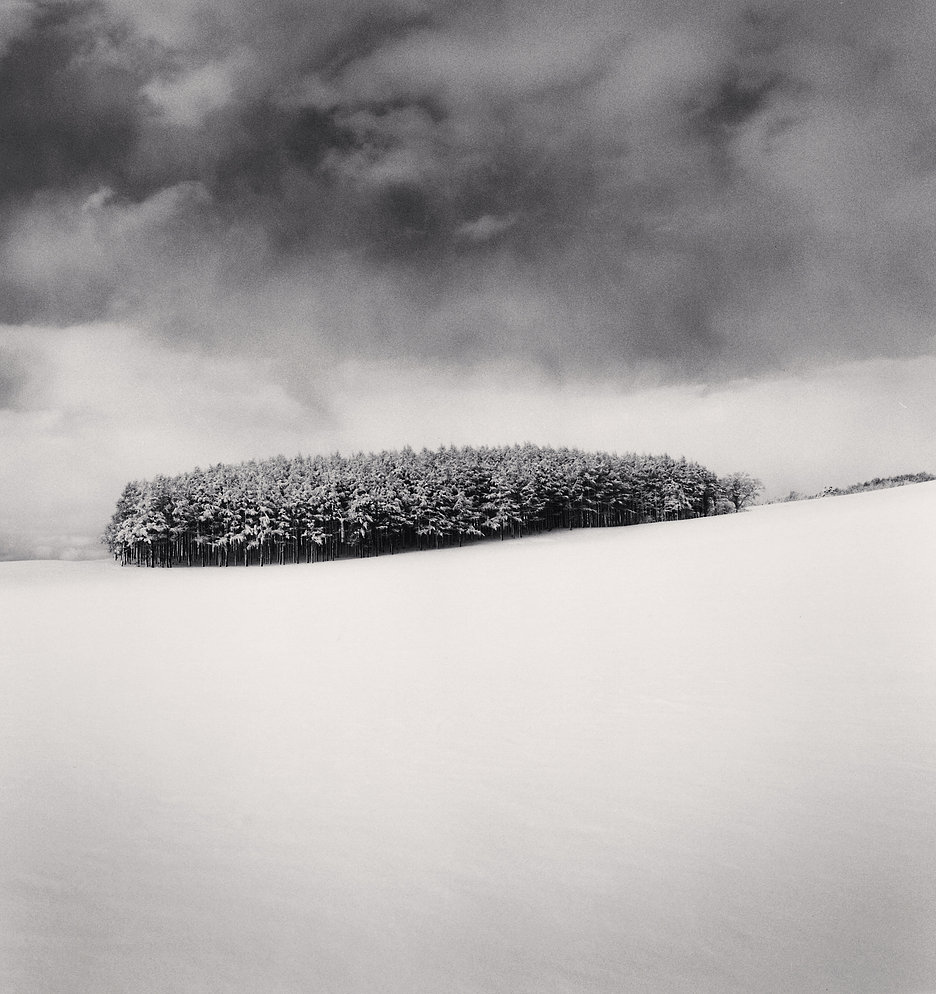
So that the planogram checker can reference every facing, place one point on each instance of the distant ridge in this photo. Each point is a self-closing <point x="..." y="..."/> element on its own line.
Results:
<point x="878" y="483"/>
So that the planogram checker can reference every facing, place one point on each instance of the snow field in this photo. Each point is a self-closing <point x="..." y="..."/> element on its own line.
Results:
<point x="697" y="756"/>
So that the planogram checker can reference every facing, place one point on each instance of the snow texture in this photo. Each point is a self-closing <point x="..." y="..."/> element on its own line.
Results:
<point x="688" y="757"/>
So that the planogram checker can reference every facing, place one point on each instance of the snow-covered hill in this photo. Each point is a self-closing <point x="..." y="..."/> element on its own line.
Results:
<point x="698" y="756"/>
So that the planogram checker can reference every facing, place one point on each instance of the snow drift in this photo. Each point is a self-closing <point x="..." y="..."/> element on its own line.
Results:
<point x="696" y="756"/>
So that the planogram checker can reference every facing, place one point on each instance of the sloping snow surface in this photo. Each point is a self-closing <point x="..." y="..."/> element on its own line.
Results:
<point x="693" y="757"/>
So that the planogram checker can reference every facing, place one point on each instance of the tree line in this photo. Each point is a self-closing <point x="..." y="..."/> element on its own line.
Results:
<point x="318" y="508"/>
<point x="878" y="483"/>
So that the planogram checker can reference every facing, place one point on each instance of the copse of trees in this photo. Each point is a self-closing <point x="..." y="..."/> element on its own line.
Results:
<point x="317" y="508"/>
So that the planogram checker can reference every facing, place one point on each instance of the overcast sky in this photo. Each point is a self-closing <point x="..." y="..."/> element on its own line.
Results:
<point x="230" y="230"/>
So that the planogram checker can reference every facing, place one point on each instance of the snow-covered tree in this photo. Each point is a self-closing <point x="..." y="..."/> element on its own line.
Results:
<point x="740" y="489"/>
<point x="307" y="509"/>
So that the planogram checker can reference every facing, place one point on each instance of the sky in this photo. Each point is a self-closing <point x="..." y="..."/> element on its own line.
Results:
<point x="230" y="230"/>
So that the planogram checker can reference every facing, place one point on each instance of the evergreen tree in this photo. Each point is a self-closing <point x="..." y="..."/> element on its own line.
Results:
<point x="308" y="509"/>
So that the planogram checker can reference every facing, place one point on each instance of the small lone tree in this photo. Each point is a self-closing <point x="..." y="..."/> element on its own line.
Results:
<point x="740" y="489"/>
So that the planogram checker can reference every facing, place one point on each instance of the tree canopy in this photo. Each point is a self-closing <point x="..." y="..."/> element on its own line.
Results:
<point x="315" y="508"/>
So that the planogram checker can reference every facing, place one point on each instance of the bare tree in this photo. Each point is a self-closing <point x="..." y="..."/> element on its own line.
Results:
<point x="740" y="489"/>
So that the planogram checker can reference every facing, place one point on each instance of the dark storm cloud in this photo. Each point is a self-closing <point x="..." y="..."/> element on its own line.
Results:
<point x="709" y="192"/>
<point x="69" y="101"/>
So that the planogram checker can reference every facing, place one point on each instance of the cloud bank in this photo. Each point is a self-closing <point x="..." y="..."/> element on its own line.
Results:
<point x="713" y="193"/>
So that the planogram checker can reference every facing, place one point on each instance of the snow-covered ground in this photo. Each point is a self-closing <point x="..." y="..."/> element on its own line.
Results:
<point x="693" y="757"/>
